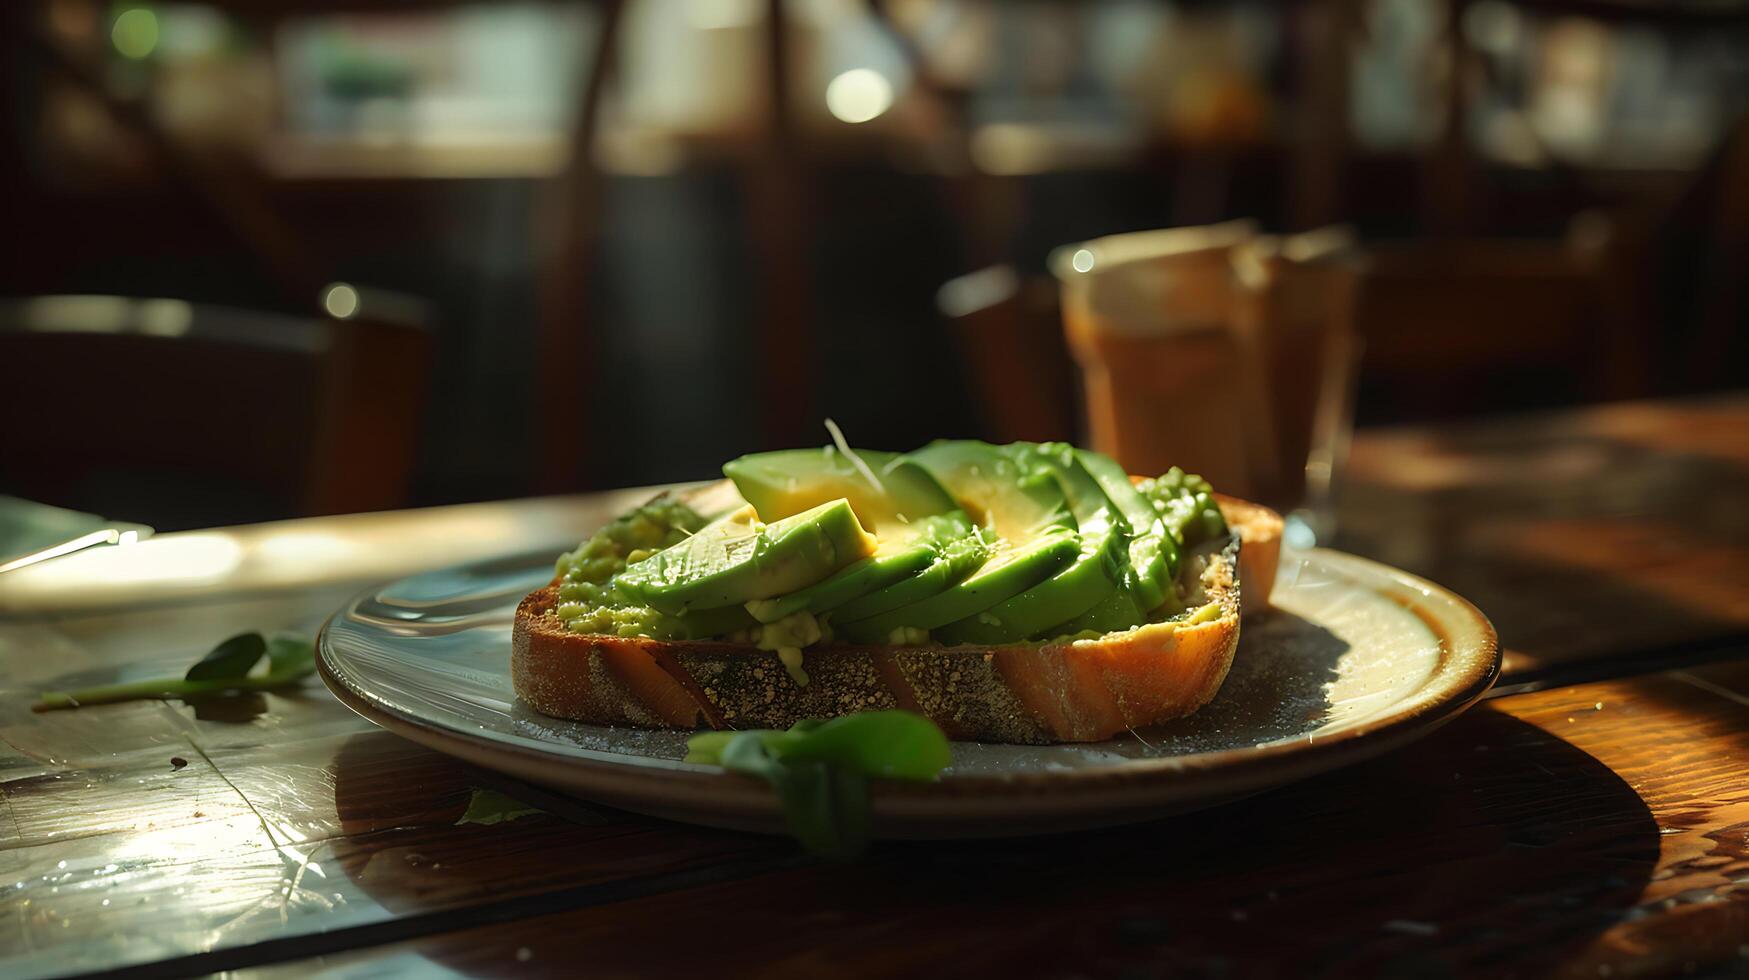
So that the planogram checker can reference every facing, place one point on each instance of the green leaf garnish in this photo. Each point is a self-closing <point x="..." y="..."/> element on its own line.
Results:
<point x="234" y="657"/>
<point x="488" y="806"/>
<point x="820" y="769"/>
<point x="228" y="669"/>
<point x="290" y="657"/>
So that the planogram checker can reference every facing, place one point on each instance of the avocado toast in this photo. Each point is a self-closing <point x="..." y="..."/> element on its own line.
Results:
<point x="1027" y="593"/>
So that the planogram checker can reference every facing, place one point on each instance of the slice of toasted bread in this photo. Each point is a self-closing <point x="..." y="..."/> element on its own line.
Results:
<point x="1068" y="691"/>
<point x="1259" y="530"/>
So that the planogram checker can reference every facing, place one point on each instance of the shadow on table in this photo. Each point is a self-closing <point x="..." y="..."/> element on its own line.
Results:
<point x="1492" y="843"/>
<point x="1489" y="845"/>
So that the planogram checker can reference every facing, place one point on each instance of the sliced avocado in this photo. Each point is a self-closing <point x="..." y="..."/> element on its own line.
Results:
<point x="889" y="493"/>
<point x="1086" y="498"/>
<point x="1118" y="611"/>
<point x="1011" y="482"/>
<point x="1186" y="511"/>
<point x="911" y="514"/>
<point x="1154" y="554"/>
<point x="850" y="582"/>
<point x="1155" y="558"/>
<point x="1007" y="574"/>
<point x="1016" y="502"/>
<point x="1097" y="571"/>
<point x="892" y="562"/>
<point x="1093" y="577"/>
<point x="1116" y="484"/>
<point x="955" y="559"/>
<point x="736" y="559"/>
<point x="706" y="623"/>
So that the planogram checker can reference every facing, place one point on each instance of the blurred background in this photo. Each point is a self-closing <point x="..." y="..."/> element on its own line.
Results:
<point x="271" y="258"/>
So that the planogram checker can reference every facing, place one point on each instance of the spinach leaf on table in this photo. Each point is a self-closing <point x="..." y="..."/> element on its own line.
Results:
<point x="228" y="669"/>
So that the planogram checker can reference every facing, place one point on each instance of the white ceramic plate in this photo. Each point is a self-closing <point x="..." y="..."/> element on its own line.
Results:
<point x="1355" y="658"/>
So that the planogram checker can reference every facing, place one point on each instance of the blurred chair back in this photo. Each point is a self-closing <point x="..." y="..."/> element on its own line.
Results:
<point x="1009" y="334"/>
<point x="181" y="415"/>
<point x="1450" y="328"/>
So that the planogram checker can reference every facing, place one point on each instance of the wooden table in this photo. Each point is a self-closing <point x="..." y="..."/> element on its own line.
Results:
<point x="1591" y="819"/>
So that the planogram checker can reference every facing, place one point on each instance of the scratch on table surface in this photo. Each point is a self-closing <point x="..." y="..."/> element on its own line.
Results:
<point x="266" y="830"/>
<point x="14" y="830"/>
<point x="1706" y="685"/>
<point x="285" y="895"/>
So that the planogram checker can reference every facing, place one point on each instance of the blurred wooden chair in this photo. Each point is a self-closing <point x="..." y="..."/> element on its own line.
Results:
<point x="1450" y="328"/>
<point x="1011" y="337"/>
<point x="1696" y="264"/>
<point x="180" y="415"/>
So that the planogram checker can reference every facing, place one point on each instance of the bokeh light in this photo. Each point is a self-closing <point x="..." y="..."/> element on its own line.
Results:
<point x="340" y="300"/>
<point x="859" y="95"/>
<point x="135" y="33"/>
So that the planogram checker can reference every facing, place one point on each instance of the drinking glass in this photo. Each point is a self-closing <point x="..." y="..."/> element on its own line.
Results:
<point x="1221" y="351"/>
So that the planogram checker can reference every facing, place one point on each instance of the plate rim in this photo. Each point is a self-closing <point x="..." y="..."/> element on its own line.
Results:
<point x="1464" y="673"/>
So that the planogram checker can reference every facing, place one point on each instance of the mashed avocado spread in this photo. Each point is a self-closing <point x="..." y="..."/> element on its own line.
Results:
<point x="801" y="567"/>
<point x="588" y="603"/>
<point x="1186" y="504"/>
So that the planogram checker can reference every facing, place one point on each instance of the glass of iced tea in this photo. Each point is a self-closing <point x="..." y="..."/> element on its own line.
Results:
<point x="1218" y="350"/>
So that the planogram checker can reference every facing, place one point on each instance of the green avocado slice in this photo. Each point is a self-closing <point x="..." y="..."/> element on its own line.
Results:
<point x="1005" y="575"/>
<point x="954" y="560"/>
<point x="1116" y="612"/>
<point x="850" y="582"/>
<point x="1025" y="493"/>
<point x="1092" y="577"/>
<point x="706" y="623"/>
<point x="890" y="494"/>
<point x="1012" y="504"/>
<point x="1185" y="509"/>
<point x="1087" y="500"/>
<point x="736" y="559"/>
<point x="1098" y="570"/>
<point x="1154" y="555"/>
<point x="1116" y="485"/>
<point x="891" y="564"/>
<point x="1015" y="501"/>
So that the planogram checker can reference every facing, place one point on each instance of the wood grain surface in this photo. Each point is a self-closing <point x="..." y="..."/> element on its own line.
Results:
<point x="1596" y="830"/>
<point x="1571" y="826"/>
<point x="1613" y="533"/>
